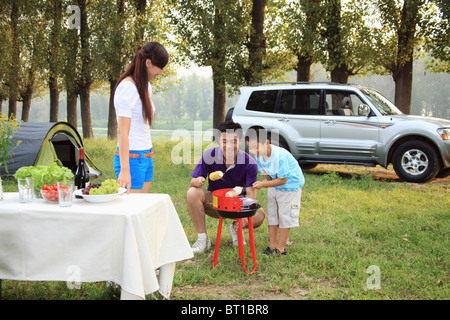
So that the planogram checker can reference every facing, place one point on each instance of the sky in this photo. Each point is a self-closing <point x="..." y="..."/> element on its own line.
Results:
<point x="201" y="71"/>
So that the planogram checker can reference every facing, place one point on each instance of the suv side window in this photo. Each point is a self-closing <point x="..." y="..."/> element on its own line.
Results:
<point x="264" y="101"/>
<point x="342" y="103"/>
<point x="301" y="102"/>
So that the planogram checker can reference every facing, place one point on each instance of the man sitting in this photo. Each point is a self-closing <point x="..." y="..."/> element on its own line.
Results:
<point x="239" y="169"/>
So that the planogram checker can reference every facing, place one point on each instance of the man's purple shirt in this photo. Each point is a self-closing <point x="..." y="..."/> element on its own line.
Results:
<point x="242" y="174"/>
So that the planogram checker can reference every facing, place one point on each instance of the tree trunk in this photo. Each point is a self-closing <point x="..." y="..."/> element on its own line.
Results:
<point x="257" y="44"/>
<point x="340" y="74"/>
<point x="86" y="76"/>
<point x="71" y="76"/>
<point x="12" y="103"/>
<point x="112" y="120"/>
<point x="405" y="50"/>
<point x="303" y="69"/>
<point x="403" y="87"/>
<point x="54" y="99"/>
<point x="139" y="23"/>
<point x="85" y="106"/>
<point x="26" y="103"/>
<point x="219" y="91"/>
<point x="72" y="97"/>
<point x="218" y="69"/>
<point x="14" y="68"/>
<point x="116" y="68"/>
<point x="333" y="35"/>
<point x="306" y="54"/>
<point x="53" y="58"/>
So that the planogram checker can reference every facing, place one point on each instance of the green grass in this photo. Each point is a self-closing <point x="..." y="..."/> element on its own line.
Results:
<point x="349" y="220"/>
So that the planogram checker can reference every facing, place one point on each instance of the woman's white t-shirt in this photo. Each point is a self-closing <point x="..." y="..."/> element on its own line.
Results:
<point x="128" y="104"/>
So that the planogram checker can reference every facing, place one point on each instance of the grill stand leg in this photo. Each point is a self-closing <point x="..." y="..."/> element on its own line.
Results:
<point x="217" y="245"/>
<point x="252" y="244"/>
<point x="240" y="243"/>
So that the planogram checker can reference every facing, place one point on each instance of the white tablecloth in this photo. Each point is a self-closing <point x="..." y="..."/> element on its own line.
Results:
<point x="123" y="241"/>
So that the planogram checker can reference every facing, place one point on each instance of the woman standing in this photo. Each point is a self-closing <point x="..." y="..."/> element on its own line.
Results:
<point x="134" y="107"/>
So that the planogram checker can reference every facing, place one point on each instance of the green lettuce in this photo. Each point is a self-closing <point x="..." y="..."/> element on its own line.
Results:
<point x="44" y="174"/>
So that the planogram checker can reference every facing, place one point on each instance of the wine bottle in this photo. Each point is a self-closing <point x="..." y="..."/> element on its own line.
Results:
<point x="82" y="173"/>
<point x="1" y="189"/>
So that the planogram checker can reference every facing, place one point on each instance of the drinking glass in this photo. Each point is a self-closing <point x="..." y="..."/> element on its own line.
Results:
<point x="26" y="189"/>
<point x="65" y="193"/>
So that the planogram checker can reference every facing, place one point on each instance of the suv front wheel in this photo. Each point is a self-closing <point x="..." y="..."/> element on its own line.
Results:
<point x="416" y="161"/>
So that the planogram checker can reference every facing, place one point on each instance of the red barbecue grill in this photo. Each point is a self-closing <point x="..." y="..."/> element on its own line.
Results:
<point x="233" y="208"/>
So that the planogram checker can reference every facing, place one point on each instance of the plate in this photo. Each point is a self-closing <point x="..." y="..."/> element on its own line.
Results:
<point x="98" y="198"/>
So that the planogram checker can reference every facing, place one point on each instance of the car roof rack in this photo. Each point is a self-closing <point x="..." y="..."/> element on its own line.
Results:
<point x="295" y="83"/>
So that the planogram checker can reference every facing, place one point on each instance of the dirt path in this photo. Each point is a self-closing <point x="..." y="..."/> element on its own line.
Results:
<point x="378" y="173"/>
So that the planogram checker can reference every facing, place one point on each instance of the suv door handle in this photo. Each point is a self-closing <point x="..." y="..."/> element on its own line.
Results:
<point x="330" y="122"/>
<point x="284" y="119"/>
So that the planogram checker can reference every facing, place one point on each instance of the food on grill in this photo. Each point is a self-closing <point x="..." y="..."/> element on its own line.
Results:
<point x="234" y="192"/>
<point x="216" y="175"/>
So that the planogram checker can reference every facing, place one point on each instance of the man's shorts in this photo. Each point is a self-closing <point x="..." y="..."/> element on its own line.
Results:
<point x="209" y="210"/>
<point x="141" y="168"/>
<point x="283" y="208"/>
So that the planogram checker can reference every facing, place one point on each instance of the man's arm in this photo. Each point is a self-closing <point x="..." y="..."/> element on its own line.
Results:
<point x="197" y="182"/>
<point x="251" y="192"/>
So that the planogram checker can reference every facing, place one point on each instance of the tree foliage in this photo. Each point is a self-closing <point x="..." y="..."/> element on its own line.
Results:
<point x="404" y="27"/>
<point x="437" y="35"/>
<point x="208" y="35"/>
<point x="243" y="41"/>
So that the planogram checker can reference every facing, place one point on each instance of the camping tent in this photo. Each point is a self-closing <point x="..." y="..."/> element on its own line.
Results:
<point x="41" y="144"/>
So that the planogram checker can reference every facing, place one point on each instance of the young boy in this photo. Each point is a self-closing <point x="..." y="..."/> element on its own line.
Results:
<point x="284" y="179"/>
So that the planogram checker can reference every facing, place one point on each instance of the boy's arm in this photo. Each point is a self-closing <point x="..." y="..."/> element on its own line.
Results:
<point x="251" y="191"/>
<point x="268" y="184"/>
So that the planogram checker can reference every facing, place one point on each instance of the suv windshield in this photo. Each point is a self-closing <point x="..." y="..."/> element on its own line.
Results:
<point x="381" y="103"/>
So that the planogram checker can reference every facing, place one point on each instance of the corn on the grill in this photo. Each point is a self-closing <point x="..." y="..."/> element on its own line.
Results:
<point x="234" y="192"/>
<point x="216" y="175"/>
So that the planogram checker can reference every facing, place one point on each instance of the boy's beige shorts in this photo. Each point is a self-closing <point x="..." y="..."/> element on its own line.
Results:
<point x="283" y="208"/>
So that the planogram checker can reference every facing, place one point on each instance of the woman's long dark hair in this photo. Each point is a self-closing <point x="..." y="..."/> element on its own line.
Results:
<point x="137" y="70"/>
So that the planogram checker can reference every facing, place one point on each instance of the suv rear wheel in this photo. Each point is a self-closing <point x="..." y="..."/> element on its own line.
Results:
<point x="416" y="161"/>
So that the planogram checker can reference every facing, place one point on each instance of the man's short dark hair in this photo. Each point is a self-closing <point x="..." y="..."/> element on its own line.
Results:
<point x="256" y="132"/>
<point x="230" y="126"/>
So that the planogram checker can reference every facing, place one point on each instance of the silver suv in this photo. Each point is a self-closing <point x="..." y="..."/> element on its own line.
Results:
<point x="345" y="124"/>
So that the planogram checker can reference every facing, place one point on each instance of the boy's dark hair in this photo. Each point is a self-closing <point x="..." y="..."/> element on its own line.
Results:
<point x="230" y="126"/>
<point x="256" y="132"/>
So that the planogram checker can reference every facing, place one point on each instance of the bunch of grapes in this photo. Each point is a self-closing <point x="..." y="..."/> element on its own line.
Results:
<point x="108" y="186"/>
<point x="91" y="186"/>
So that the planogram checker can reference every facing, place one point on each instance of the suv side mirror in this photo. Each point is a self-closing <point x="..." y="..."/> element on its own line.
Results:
<point x="363" y="110"/>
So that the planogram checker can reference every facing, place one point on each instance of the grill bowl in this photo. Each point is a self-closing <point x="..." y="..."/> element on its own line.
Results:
<point x="232" y="207"/>
<point x="245" y="213"/>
